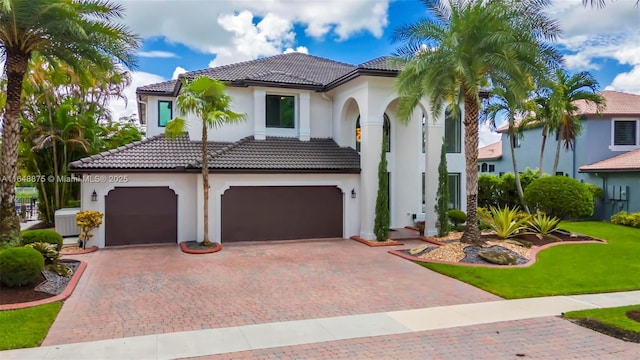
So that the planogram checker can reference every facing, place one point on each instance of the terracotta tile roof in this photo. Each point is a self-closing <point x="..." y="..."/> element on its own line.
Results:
<point x="629" y="161"/>
<point x="490" y="152"/>
<point x="272" y="154"/>
<point x="618" y="103"/>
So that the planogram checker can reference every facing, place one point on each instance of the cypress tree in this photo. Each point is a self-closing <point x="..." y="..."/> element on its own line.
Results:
<point x="442" y="197"/>
<point x="381" y="223"/>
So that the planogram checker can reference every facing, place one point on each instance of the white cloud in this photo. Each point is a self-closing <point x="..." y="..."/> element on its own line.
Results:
<point x="627" y="82"/>
<point x="179" y="70"/>
<point x="120" y="108"/>
<point x="592" y="34"/>
<point x="157" y="54"/>
<point x="487" y="135"/>
<point x="299" y="49"/>
<point x="234" y="36"/>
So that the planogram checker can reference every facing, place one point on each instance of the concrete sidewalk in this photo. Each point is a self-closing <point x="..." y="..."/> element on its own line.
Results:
<point x="289" y="333"/>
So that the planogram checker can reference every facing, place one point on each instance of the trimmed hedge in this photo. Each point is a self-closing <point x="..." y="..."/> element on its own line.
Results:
<point x="457" y="217"/>
<point x="560" y="196"/>
<point x="20" y="266"/>
<point x="48" y="236"/>
<point x="626" y="219"/>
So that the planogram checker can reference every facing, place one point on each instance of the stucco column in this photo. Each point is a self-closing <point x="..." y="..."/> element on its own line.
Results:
<point x="407" y="175"/>
<point x="260" y="114"/>
<point x="305" y="116"/>
<point x="434" y="134"/>
<point x="371" y="145"/>
<point x="199" y="208"/>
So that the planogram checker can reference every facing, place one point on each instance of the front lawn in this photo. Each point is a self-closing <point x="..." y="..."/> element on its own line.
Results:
<point x="616" y="317"/>
<point x="26" y="327"/>
<point x="564" y="269"/>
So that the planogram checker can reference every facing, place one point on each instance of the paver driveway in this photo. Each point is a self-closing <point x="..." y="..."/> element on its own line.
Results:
<point x="158" y="289"/>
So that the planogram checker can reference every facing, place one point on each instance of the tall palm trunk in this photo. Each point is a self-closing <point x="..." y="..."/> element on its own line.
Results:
<point x="16" y="68"/>
<point x="515" y="166"/>
<point x="544" y="142"/>
<point x="471" y="138"/>
<point x="205" y="183"/>
<point x="52" y="133"/>
<point x="557" y="157"/>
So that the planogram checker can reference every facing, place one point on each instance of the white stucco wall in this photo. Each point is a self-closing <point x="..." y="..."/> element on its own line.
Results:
<point x="182" y="184"/>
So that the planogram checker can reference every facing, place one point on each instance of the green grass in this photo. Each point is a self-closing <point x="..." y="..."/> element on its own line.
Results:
<point x="26" y="327"/>
<point x="611" y="316"/>
<point x="565" y="269"/>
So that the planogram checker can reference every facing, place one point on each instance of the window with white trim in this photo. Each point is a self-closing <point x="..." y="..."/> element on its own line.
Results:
<point x="165" y="112"/>
<point x="454" y="190"/>
<point x="281" y="111"/>
<point x="625" y="132"/>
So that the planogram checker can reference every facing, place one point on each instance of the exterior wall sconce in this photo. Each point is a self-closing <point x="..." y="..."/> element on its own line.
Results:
<point x="353" y="193"/>
<point x="94" y="196"/>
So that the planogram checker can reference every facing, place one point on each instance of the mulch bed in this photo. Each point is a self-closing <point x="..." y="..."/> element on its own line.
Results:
<point x="622" y="334"/>
<point x="562" y="236"/>
<point x="29" y="293"/>
<point x="375" y="243"/>
<point x="194" y="247"/>
<point x="634" y="315"/>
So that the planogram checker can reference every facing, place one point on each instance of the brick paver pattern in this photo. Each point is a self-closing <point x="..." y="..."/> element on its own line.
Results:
<point x="158" y="289"/>
<point x="541" y="339"/>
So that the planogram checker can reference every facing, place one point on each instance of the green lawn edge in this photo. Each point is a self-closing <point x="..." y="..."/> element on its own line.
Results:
<point x="27" y="327"/>
<point x="564" y="269"/>
<point x="616" y="316"/>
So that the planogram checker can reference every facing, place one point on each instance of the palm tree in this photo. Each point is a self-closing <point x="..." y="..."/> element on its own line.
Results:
<point x="511" y="104"/>
<point x="600" y="3"/>
<point x="205" y="98"/>
<point x="70" y="32"/>
<point x="464" y="46"/>
<point x="564" y="91"/>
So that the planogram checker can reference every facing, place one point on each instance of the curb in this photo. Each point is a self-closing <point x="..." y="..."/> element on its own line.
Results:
<point x="372" y="244"/>
<point x="84" y="251"/>
<point x="65" y="294"/>
<point x="186" y="250"/>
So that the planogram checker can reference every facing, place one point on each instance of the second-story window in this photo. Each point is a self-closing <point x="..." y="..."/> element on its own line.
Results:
<point x="165" y="112"/>
<point x="281" y="111"/>
<point x="452" y="133"/>
<point x="624" y="133"/>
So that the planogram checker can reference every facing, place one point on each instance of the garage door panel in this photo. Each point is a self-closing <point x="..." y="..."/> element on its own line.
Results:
<point x="141" y="215"/>
<point x="281" y="213"/>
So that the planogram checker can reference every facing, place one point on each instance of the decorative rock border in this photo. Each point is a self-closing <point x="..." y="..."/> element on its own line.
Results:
<point x="532" y="259"/>
<point x="374" y="244"/>
<point x="186" y="250"/>
<point x="65" y="294"/>
<point x="84" y="251"/>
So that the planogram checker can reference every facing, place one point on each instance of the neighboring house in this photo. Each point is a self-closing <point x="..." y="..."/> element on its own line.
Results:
<point x="489" y="156"/>
<point x="303" y="165"/>
<point x="620" y="176"/>
<point x="605" y="135"/>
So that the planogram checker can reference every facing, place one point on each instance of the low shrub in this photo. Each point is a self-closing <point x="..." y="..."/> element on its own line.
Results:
<point x="505" y="222"/>
<point x="484" y="218"/>
<point x="626" y="219"/>
<point x="20" y="266"/>
<point x="543" y="225"/>
<point x="457" y="217"/>
<point x="48" y="236"/>
<point x="87" y="221"/>
<point x="48" y="251"/>
<point x="559" y="196"/>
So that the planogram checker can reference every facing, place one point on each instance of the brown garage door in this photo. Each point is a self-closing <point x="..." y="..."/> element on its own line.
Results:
<point x="141" y="215"/>
<point x="252" y="213"/>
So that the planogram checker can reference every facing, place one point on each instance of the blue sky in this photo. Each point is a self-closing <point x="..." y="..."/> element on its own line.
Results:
<point x="181" y="35"/>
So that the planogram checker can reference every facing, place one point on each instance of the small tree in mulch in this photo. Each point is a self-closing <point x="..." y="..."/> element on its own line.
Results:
<point x="87" y="221"/>
<point x="381" y="222"/>
<point x="442" y="197"/>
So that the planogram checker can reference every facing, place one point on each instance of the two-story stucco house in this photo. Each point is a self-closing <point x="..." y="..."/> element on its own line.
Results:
<point x="604" y="153"/>
<point x="303" y="165"/>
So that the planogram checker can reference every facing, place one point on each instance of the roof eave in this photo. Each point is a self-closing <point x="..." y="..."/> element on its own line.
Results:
<point x="355" y="73"/>
<point x="608" y="170"/>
